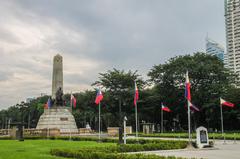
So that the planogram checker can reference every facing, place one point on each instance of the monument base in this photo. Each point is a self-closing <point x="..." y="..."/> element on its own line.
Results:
<point x="58" y="118"/>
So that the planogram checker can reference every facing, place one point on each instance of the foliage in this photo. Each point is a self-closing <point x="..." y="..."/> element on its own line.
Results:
<point x="118" y="87"/>
<point x="103" y="155"/>
<point x="38" y="149"/>
<point x="116" y="81"/>
<point x="227" y="136"/>
<point x="115" y="151"/>
<point x="209" y="80"/>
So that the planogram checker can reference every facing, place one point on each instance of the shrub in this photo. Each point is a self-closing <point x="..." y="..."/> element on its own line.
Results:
<point x="115" y="152"/>
<point x="104" y="155"/>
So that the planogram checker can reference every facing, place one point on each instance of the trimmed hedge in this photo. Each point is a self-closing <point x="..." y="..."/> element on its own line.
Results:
<point x="115" y="152"/>
<point x="228" y="136"/>
<point x="110" y="140"/>
<point x="104" y="155"/>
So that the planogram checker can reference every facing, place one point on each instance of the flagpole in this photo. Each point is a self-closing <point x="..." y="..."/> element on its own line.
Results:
<point x="161" y="120"/>
<point x="71" y="103"/>
<point x="221" y="118"/>
<point x="99" y="121"/>
<point x="136" y="118"/>
<point x="189" y="123"/>
<point x="47" y="125"/>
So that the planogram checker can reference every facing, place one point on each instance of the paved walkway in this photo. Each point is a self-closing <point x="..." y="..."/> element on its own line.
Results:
<point x="229" y="150"/>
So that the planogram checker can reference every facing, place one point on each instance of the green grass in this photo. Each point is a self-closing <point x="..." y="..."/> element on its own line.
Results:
<point x="40" y="149"/>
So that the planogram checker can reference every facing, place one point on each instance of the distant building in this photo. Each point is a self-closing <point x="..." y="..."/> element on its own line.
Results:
<point x="232" y="22"/>
<point x="214" y="48"/>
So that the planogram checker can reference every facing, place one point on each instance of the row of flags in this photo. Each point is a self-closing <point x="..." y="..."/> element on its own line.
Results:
<point x="188" y="97"/>
<point x="73" y="102"/>
<point x="99" y="98"/>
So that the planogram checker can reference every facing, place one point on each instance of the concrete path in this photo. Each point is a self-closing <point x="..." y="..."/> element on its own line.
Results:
<point x="228" y="150"/>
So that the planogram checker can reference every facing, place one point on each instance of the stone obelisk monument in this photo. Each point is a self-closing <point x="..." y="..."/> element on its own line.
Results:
<point x="57" y="76"/>
<point x="57" y="116"/>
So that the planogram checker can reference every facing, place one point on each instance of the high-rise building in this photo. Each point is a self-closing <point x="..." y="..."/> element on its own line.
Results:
<point x="232" y="21"/>
<point x="214" y="48"/>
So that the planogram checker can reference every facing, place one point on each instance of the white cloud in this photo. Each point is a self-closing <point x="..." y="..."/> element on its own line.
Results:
<point x="96" y="36"/>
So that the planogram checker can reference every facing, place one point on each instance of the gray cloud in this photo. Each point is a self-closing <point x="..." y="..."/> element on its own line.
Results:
<point x="94" y="36"/>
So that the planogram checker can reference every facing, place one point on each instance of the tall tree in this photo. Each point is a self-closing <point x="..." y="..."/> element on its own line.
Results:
<point x="209" y="81"/>
<point x="119" y="92"/>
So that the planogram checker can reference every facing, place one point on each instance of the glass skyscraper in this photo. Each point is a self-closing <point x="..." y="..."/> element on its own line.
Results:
<point x="214" y="48"/>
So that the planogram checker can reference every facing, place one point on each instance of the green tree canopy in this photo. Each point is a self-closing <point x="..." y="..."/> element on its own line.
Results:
<point x="209" y="81"/>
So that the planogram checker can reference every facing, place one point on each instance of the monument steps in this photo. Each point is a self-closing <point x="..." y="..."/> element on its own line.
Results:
<point x="60" y="118"/>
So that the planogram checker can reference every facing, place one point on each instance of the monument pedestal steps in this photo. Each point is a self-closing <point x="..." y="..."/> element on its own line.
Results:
<point x="58" y="117"/>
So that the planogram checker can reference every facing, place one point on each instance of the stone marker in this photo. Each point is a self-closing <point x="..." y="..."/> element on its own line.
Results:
<point x="202" y="137"/>
<point x="148" y="128"/>
<point x="113" y="131"/>
<point x="58" y="116"/>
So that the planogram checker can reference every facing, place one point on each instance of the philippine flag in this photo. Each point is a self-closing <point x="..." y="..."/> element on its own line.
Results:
<point x="73" y="101"/>
<point x="45" y="106"/>
<point x="49" y="103"/>
<point x="225" y="103"/>
<point x="136" y="95"/>
<point x="187" y="88"/>
<point x="99" y="97"/>
<point x="166" y="109"/>
<point x="193" y="107"/>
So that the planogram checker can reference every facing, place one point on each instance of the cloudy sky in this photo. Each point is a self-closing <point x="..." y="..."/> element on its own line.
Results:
<point x="94" y="36"/>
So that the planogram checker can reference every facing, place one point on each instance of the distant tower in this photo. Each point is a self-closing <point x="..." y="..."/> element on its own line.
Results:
<point x="232" y="22"/>
<point x="214" y="48"/>
<point x="57" y="76"/>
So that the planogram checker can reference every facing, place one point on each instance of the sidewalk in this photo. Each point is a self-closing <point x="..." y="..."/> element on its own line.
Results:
<point x="227" y="150"/>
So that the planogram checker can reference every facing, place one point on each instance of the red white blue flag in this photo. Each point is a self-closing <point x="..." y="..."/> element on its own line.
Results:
<point x="225" y="103"/>
<point x="187" y="88"/>
<point x="165" y="108"/>
<point x="136" y="94"/>
<point x="73" y="101"/>
<point x="45" y="106"/>
<point x="49" y="103"/>
<point x="99" y="96"/>
<point x="193" y="107"/>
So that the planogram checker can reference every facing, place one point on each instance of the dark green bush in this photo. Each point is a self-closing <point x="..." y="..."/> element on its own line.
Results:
<point x="104" y="155"/>
<point x="115" y="152"/>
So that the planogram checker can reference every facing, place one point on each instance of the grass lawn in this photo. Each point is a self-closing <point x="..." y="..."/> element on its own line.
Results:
<point x="39" y="149"/>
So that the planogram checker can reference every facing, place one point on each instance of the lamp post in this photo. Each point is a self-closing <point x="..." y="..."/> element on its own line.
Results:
<point x="125" y="131"/>
<point x="120" y="122"/>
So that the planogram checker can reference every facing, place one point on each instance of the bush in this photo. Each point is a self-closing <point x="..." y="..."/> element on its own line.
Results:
<point x="228" y="136"/>
<point x="5" y="138"/>
<point x="115" y="152"/>
<point x="104" y="155"/>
